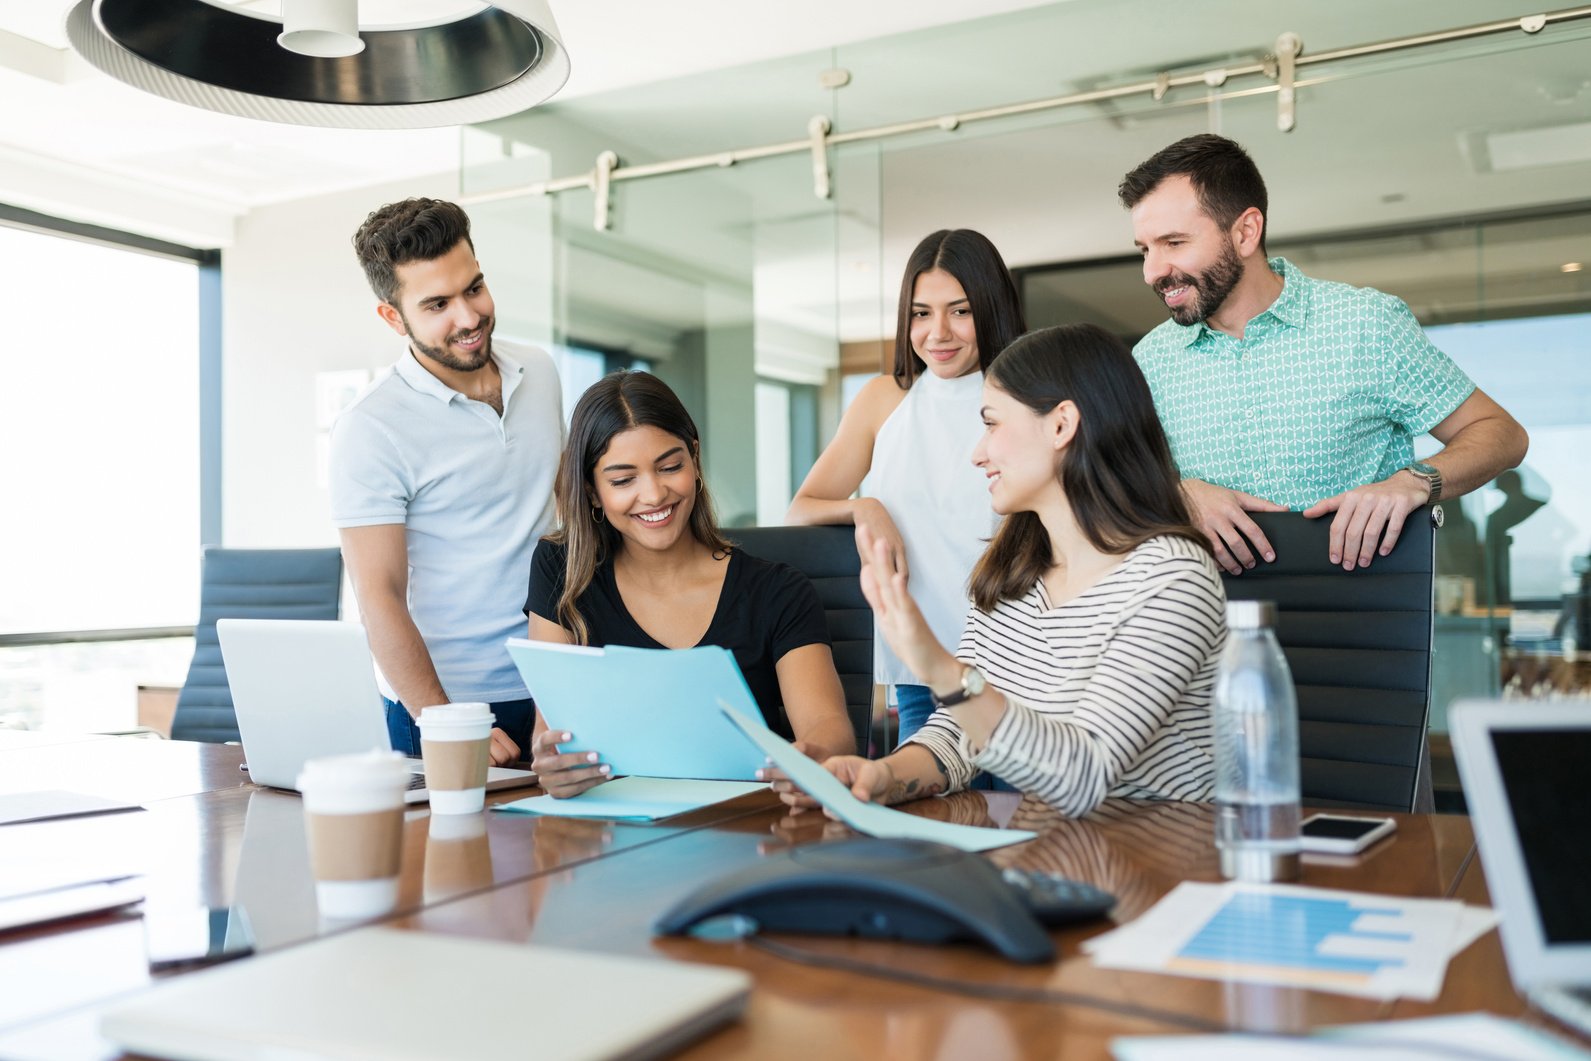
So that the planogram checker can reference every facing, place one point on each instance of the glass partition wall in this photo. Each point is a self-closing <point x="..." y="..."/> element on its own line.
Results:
<point x="1454" y="176"/>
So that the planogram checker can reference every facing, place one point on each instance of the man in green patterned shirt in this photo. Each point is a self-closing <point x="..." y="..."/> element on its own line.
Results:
<point x="1282" y="392"/>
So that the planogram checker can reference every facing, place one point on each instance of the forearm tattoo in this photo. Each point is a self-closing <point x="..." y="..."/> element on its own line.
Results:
<point x="916" y="788"/>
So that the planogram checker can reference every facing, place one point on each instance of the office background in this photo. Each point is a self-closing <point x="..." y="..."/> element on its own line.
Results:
<point x="178" y="363"/>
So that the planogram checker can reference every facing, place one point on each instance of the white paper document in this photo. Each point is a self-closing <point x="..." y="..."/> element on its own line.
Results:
<point x="868" y="818"/>
<point x="1464" y="1035"/>
<point x="636" y="799"/>
<point x="1350" y="943"/>
<point x="19" y="807"/>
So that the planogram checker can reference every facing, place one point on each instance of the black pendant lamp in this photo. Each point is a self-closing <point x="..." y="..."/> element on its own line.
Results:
<point x="315" y="67"/>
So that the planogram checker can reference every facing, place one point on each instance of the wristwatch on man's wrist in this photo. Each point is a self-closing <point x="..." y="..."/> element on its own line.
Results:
<point x="1430" y="476"/>
<point x="972" y="683"/>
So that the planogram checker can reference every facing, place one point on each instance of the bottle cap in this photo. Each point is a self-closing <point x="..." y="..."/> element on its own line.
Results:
<point x="1250" y="614"/>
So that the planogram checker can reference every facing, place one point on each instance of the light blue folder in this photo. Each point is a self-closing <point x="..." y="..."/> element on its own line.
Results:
<point x="647" y="711"/>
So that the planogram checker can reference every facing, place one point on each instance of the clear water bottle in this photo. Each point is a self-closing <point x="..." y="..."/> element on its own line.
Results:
<point x="1256" y="750"/>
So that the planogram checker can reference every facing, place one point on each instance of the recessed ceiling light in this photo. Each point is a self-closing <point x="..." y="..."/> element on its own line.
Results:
<point x="494" y="61"/>
<point x="1571" y="267"/>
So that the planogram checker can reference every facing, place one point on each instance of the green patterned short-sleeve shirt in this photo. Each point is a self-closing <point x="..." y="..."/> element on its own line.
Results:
<point x="1325" y="392"/>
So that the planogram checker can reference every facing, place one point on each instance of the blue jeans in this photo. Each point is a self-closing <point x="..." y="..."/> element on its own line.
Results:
<point x="514" y="717"/>
<point x="914" y="704"/>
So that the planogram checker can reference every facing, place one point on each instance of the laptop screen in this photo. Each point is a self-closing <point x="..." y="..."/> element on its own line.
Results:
<point x="1544" y="772"/>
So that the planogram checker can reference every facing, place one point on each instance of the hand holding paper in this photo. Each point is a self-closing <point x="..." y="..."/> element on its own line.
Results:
<point x="868" y="818"/>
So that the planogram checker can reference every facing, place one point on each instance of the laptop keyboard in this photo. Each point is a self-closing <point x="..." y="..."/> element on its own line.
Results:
<point x="415" y="781"/>
<point x="1572" y="1005"/>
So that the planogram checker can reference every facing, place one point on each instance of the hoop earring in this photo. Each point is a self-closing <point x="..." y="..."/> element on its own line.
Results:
<point x="698" y="484"/>
<point x="596" y="514"/>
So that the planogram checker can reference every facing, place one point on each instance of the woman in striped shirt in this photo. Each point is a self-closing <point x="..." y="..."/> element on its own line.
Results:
<point x="1089" y="655"/>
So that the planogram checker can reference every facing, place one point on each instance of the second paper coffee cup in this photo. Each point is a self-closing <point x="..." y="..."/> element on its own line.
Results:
<point x="455" y="740"/>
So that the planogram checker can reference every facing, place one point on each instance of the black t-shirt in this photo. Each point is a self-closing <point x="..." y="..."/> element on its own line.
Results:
<point x="765" y="609"/>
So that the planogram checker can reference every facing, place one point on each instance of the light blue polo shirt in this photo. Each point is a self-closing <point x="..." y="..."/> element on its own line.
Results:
<point x="474" y="493"/>
<point x="1325" y="392"/>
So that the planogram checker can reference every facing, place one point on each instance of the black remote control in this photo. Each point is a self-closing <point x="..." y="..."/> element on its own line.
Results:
<point x="1055" y="900"/>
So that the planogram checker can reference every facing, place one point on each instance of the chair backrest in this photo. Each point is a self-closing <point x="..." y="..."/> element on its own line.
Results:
<point x="1359" y="646"/>
<point x="248" y="584"/>
<point x="827" y="556"/>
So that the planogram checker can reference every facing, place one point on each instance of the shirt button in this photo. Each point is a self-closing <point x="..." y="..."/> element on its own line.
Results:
<point x="1249" y="412"/>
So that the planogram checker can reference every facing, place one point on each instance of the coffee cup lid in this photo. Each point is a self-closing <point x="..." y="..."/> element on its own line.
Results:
<point x="448" y="713"/>
<point x="372" y="769"/>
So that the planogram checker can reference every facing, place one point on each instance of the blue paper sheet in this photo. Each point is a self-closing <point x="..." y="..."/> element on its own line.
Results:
<point x="636" y="799"/>
<point x="646" y="711"/>
<point x="869" y="818"/>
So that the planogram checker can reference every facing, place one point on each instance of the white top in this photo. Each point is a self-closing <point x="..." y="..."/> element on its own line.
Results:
<point x="474" y="493"/>
<point x="1109" y="693"/>
<point x="923" y="474"/>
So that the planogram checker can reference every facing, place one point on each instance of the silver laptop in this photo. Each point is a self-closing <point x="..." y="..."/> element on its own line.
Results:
<point x="366" y="994"/>
<point x="305" y="688"/>
<point x="1524" y="767"/>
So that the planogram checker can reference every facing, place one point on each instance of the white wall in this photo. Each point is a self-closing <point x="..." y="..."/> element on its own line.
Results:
<point x="294" y="304"/>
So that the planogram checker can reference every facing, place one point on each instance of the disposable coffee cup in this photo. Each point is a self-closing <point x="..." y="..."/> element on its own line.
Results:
<point x="458" y="855"/>
<point x="455" y="741"/>
<point x="353" y="811"/>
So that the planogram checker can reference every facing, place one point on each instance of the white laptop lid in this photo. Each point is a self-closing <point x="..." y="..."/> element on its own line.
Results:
<point x="302" y="688"/>
<point x="1526" y="769"/>
<point x="392" y="994"/>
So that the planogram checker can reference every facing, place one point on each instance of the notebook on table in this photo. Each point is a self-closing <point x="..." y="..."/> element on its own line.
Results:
<point x="306" y="688"/>
<point x="1523" y="765"/>
<point x="388" y="993"/>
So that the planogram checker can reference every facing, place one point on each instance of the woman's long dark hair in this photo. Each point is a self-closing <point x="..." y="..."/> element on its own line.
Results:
<point x="991" y="295"/>
<point x="1117" y="473"/>
<point x="614" y="404"/>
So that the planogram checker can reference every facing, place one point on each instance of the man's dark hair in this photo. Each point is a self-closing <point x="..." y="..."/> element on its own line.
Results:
<point x="415" y="230"/>
<point x="1224" y="178"/>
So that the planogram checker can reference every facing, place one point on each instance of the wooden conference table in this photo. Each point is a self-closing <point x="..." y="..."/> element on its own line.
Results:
<point x="209" y="838"/>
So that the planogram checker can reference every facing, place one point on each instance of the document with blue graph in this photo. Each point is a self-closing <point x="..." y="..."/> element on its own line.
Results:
<point x="1350" y="943"/>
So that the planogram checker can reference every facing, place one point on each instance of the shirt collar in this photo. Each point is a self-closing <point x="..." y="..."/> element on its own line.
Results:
<point x="416" y="376"/>
<point x="1291" y="306"/>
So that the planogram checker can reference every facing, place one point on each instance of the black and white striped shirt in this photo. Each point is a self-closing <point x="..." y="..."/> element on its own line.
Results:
<point x="1109" y="693"/>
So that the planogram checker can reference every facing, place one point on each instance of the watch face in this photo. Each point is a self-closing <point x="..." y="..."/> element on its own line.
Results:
<point x="1423" y="468"/>
<point x="972" y="681"/>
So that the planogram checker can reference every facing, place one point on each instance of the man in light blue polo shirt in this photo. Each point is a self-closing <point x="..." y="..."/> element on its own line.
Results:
<point x="1278" y="391"/>
<point x="441" y="478"/>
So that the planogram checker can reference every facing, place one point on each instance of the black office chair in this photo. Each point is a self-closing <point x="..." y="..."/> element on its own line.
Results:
<point x="248" y="584"/>
<point x="827" y="556"/>
<point x="1359" y="646"/>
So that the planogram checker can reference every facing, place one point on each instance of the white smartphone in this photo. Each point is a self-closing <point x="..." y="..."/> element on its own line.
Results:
<point x="1340" y="834"/>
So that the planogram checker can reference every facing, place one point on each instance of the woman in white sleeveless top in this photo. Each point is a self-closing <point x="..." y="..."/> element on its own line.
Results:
<point x="907" y="439"/>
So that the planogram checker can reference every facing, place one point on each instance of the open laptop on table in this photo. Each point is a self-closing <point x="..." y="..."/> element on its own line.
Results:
<point x="1524" y="768"/>
<point x="306" y="688"/>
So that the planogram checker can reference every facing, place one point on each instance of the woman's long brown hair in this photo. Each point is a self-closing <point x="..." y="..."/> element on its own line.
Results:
<point x="617" y="402"/>
<point x="991" y="296"/>
<point x="1117" y="473"/>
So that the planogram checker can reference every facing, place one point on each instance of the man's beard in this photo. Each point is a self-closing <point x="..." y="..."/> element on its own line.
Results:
<point x="1208" y="289"/>
<point x="444" y="354"/>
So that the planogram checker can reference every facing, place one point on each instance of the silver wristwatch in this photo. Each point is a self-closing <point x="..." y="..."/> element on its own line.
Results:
<point x="1430" y="476"/>
<point x="972" y="684"/>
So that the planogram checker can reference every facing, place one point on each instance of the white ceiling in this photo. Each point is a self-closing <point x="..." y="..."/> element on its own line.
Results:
<point x="77" y="143"/>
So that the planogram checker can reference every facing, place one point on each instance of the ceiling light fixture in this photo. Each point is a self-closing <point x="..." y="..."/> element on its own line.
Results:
<point x="315" y="67"/>
<point x="1571" y="267"/>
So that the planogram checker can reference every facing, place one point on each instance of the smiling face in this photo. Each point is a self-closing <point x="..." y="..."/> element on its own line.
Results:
<point x="942" y="332"/>
<point x="444" y="309"/>
<point x="1020" y="449"/>
<point x="1191" y="261"/>
<point x="645" y="484"/>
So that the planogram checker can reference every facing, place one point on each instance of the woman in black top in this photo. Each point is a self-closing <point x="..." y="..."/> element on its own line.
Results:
<point x="638" y="560"/>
